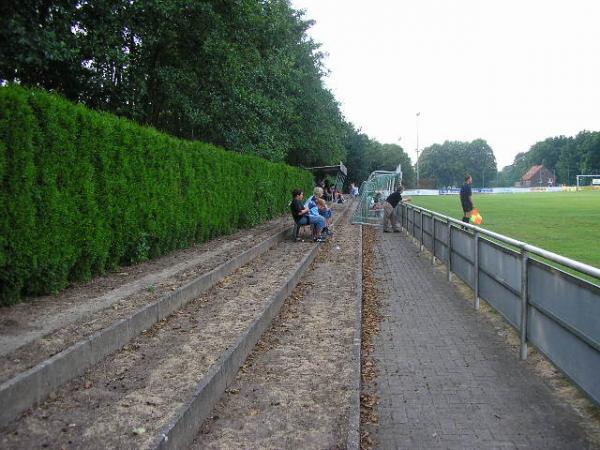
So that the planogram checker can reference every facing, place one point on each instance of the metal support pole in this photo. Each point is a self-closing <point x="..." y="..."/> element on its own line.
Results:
<point x="413" y="221"/>
<point x="421" y="248"/>
<point x="401" y="216"/>
<point x="433" y="240"/>
<point x="449" y="264"/>
<point x="524" y="295"/>
<point x="476" y="271"/>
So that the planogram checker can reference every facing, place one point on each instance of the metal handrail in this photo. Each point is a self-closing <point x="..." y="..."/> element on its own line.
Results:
<point x="567" y="262"/>
<point x="564" y="337"/>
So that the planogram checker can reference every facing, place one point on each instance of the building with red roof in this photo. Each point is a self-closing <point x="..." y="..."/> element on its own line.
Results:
<point x="538" y="176"/>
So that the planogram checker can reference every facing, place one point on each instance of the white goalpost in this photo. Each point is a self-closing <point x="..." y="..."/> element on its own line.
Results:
<point x="595" y="180"/>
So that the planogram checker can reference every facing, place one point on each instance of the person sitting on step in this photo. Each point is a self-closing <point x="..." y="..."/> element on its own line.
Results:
<point x="302" y="215"/>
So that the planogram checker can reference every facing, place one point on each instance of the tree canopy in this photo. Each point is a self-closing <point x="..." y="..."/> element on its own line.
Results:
<point x="565" y="156"/>
<point x="446" y="164"/>
<point x="241" y="74"/>
<point x="365" y="155"/>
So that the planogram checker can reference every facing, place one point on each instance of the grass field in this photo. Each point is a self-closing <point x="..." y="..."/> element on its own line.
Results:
<point x="567" y="223"/>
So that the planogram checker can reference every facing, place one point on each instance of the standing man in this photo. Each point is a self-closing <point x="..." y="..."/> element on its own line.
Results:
<point x="389" y="206"/>
<point x="466" y="198"/>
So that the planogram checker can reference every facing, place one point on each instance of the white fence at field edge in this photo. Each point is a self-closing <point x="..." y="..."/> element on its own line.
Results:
<point x="502" y="190"/>
<point x="557" y="311"/>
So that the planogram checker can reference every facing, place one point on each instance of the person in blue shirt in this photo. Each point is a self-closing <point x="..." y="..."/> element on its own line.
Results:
<point x="318" y="210"/>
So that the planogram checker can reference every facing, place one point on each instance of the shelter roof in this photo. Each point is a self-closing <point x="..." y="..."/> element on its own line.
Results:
<point x="532" y="173"/>
<point x="329" y="170"/>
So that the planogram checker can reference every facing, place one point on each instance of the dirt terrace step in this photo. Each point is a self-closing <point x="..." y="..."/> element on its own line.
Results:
<point x="300" y="386"/>
<point x="144" y="385"/>
<point x="108" y="330"/>
<point x="81" y="389"/>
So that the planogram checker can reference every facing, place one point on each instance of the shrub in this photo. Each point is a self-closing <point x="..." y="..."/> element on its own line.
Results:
<point x="83" y="192"/>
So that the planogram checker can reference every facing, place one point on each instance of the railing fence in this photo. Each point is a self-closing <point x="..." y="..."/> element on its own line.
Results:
<point x="554" y="310"/>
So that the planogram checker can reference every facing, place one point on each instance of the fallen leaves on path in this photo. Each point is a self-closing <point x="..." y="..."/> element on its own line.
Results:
<point x="370" y="328"/>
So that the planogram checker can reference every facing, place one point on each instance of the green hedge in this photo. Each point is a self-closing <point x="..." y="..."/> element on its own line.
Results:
<point x="83" y="192"/>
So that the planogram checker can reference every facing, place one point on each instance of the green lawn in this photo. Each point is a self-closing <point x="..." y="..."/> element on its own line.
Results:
<point x="567" y="223"/>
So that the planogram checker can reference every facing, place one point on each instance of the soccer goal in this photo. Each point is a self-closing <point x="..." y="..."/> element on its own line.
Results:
<point x="373" y="192"/>
<point x="588" y="181"/>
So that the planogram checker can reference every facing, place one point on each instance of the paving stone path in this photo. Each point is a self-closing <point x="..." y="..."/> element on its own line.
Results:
<point x="447" y="379"/>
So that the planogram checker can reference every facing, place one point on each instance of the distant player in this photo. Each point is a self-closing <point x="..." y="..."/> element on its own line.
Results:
<point x="466" y="198"/>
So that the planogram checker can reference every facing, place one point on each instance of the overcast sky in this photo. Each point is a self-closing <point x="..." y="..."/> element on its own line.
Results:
<point x="512" y="72"/>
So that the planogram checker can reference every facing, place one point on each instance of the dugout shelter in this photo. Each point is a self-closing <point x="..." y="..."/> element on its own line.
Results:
<point x="338" y="172"/>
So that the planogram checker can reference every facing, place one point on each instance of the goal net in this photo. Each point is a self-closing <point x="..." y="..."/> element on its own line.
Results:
<point x="588" y="182"/>
<point x="373" y="193"/>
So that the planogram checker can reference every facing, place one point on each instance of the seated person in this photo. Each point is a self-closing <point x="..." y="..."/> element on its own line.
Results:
<point x="317" y="206"/>
<point x="378" y="200"/>
<point x="312" y="202"/>
<point x="326" y="193"/>
<point x="302" y="215"/>
<point x="324" y="211"/>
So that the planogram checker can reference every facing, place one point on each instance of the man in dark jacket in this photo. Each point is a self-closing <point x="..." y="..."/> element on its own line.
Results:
<point x="466" y="198"/>
<point x="389" y="207"/>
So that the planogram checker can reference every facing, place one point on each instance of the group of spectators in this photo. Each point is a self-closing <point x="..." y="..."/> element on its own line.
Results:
<point x="330" y="192"/>
<point x="315" y="212"/>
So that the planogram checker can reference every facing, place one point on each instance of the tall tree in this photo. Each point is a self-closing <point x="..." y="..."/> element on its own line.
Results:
<point x="565" y="156"/>
<point x="588" y="144"/>
<point x="481" y="161"/>
<point x="242" y="74"/>
<point x="446" y="164"/>
<point x="38" y="46"/>
<point x="365" y="155"/>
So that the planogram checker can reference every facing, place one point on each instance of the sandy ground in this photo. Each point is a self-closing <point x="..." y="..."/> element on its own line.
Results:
<point x="295" y="389"/>
<point x="125" y="400"/>
<point x="32" y="332"/>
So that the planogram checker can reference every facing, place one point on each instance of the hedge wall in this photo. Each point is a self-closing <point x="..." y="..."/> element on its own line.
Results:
<point x="83" y="192"/>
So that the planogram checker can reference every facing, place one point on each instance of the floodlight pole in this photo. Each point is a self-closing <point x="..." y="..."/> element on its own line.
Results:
<point x="418" y="114"/>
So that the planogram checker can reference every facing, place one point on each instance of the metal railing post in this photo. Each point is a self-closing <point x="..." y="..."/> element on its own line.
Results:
<point x="449" y="265"/>
<point x="421" y="247"/>
<point x="414" y="211"/>
<point x="524" y="295"/>
<point x="401" y="216"/>
<point x="476" y="272"/>
<point x="433" y="240"/>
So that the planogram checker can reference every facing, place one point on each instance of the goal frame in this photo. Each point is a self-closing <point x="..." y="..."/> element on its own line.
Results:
<point x="585" y="176"/>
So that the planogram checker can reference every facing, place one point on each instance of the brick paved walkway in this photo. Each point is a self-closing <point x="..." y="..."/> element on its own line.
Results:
<point x="447" y="380"/>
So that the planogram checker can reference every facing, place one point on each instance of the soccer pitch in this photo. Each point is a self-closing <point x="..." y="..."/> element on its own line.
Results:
<point x="567" y="223"/>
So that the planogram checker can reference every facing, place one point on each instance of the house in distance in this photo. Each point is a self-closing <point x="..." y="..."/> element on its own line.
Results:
<point x="537" y="176"/>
